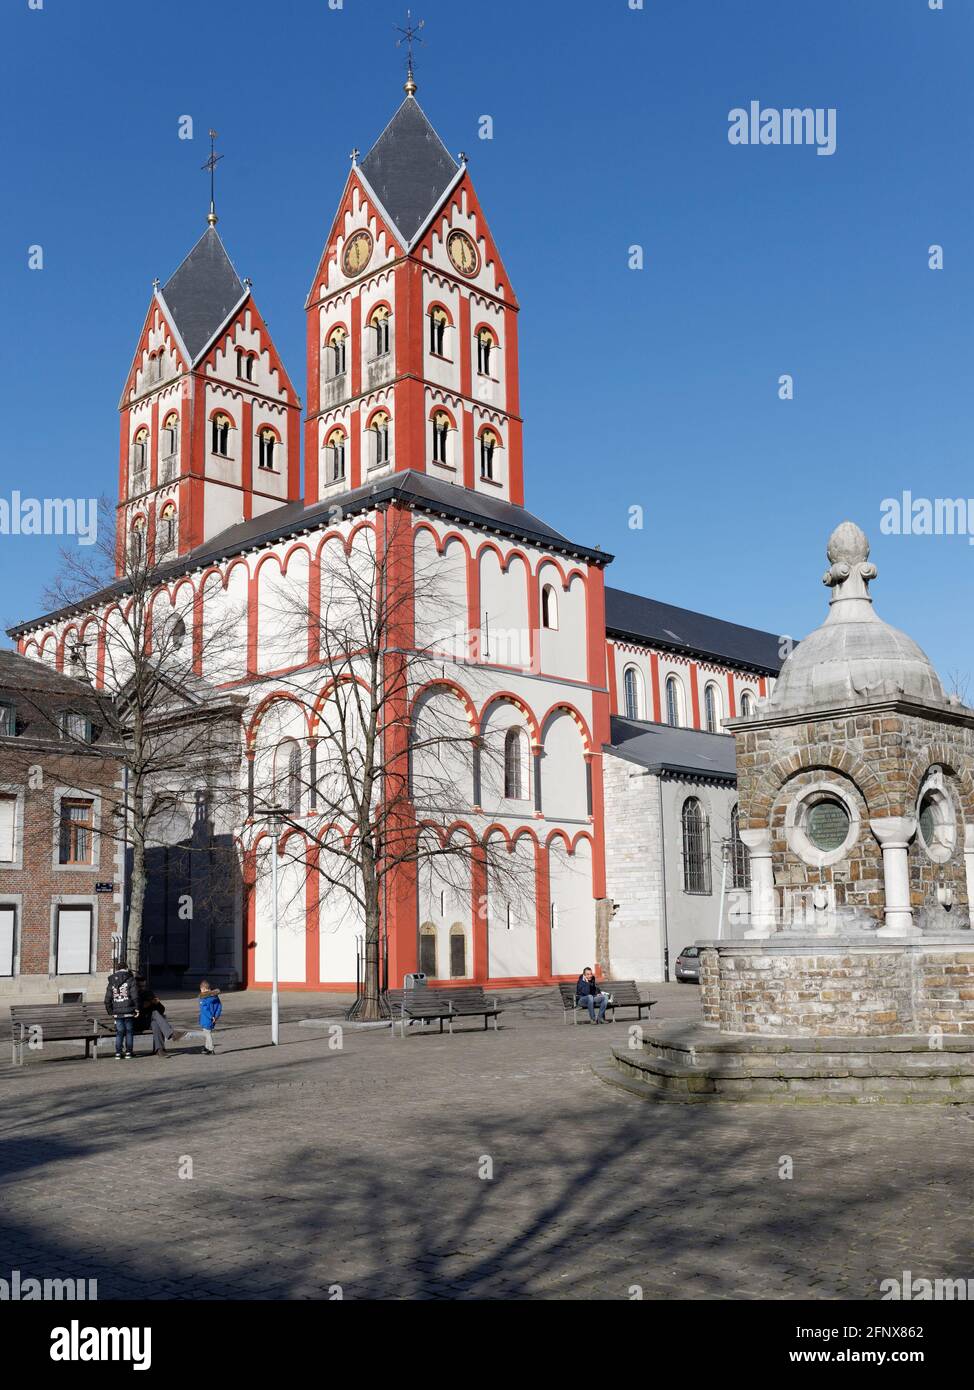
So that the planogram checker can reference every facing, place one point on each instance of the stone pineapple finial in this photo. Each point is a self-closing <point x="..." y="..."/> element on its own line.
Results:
<point x="850" y="568"/>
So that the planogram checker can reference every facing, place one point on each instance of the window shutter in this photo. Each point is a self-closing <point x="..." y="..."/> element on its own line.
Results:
<point x="8" y="820"/>
<point x="74" y="940"/>
<point x="8" y="922"/>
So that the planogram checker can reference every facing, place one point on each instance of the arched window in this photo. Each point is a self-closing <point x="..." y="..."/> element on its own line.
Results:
<point x="488" y="446"/>
<point x="427" y="949"/>
<point x="549" y="606"/>
<point x="674" y="702"/>
<point x="438" y="326"/>
<point x="267" y="445"/>
<point x="287" y="776"/>
<point x="178" y="634"/>
<point x="458" y="952"/>
<point x="712" y="709"/>
<point x="740" y="856"/>
<point x="696" y="848"/>
<point x="169" y="448"/>
<point x="441" y="434"/>
<point x="336" y="455"/>
<point x="379" y="323"/>
<point x="140" y="459"/>
<point x="515" y="782"/>
<point x="380" y="434"/>
<point x="486" y="343"/>
<point x="168" y="529"/>
<point x="747" y="703"/>
<point x="137" y="542"/>
<point x="335" y="358"/>
<point x="632" y="686"/>
<point x="245" y="365"/>
<point x="220" y="435"/>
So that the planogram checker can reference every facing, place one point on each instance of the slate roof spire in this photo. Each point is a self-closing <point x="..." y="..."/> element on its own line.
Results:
<point x="201" y="292"/>
<point x="409" y="167"/>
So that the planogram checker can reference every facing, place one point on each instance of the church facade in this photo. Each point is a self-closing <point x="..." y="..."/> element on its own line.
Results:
<point x="412" y="412"/>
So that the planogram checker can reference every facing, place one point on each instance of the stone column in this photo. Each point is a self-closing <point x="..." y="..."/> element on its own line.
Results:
<point x="894" y="834"/>
<point x="969" y="869"/>
<point x="763" y="916"/>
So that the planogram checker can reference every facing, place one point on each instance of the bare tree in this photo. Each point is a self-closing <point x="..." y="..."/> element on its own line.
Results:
<point x="959" y="685"/>
<point x="384" y="783"/>
<point x="178" y="738"/>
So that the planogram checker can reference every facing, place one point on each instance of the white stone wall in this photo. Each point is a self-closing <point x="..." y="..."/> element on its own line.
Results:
<point x="633" y="869"/>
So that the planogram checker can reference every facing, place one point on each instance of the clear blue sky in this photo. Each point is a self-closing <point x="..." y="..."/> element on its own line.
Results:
<point x="655" y="388"/>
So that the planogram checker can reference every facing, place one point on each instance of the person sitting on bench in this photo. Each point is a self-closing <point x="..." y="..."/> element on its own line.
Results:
<point x="152" y="1016"/>
<point x="588" y="994"/>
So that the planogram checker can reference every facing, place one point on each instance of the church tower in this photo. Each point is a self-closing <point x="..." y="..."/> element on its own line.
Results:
<point x="210" y="422"/>
<point x="412" y="327"/>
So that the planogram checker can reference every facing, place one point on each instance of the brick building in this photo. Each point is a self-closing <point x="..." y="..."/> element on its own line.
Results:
<point x="59" y="836"/>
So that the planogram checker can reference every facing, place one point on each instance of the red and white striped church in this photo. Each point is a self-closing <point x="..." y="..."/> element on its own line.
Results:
<point x="413" y="403"/>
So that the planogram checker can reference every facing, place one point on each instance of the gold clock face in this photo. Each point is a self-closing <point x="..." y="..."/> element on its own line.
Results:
<point x="463" y="253"/>
<point x="358" y="253"/>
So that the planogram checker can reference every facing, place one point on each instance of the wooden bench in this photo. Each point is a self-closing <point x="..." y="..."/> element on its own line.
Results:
<point x="625" y="995"/>
<point x="55" y="1023"/>
<point x="445" y="1003"/>
<point x="419" y="1005"/>
<point x="471" y="1002"/>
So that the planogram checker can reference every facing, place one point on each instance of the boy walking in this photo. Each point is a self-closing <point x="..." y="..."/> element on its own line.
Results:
<point x="210" y="1011"/>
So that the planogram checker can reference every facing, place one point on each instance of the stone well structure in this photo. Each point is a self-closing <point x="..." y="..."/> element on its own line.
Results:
<point x="851" y="974"/>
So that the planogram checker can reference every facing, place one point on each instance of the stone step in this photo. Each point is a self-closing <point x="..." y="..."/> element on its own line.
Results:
<point x="693" y="1065"/>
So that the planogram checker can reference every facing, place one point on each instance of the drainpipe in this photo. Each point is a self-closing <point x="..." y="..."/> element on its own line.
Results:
<point x="662" y="863"/>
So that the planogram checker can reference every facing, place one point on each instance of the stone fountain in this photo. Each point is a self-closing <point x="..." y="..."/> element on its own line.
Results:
<point x="848" y="972"/>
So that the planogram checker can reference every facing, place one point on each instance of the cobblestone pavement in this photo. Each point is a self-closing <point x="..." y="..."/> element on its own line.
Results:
<point x="361" y="1167"/>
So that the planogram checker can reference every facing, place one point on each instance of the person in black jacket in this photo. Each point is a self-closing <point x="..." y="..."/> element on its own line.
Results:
<point x="588" y="994"/>
<point x="122" y="1002"/>
<point x="152" y="1016"/>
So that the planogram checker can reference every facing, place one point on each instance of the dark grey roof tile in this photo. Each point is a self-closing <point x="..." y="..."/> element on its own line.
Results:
<point x="662" y="749"/>
<point x="680" y="629"/>
<point x="409" y="168"/>
<point x="202" y="291"/>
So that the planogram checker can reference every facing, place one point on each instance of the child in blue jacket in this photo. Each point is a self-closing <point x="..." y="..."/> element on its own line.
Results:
<point x="210" y="1011"/>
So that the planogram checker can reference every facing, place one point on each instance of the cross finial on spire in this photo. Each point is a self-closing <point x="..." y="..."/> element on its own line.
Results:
<point x="211" y="164"/>
<point x="410" y="35"/>
<point x="354" y="155"/>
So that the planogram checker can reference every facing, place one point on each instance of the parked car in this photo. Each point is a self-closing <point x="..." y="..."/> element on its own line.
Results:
<point x="688" y="965"/>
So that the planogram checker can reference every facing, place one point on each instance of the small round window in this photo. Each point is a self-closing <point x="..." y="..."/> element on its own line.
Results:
<point x="827" y="824"/>
<point x="936" y="822"/>
<point x="928" y="820"/>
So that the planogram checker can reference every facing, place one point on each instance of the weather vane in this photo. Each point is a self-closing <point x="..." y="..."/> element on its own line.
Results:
<point x="211" y="164"/>
<point x="410" y="35"/>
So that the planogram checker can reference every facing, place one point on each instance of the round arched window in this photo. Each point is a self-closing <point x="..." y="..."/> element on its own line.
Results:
<point x="827" y="823"/>
<point x="928" y="820"/>
<point x="936" y="821"/>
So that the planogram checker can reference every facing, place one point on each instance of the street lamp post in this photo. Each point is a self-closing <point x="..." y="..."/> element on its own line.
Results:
<point x="273" y="818"/>
<point x="275" y="983"/>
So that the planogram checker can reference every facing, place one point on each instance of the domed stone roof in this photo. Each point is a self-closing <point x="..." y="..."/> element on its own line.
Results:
<point x="854" y="658"/>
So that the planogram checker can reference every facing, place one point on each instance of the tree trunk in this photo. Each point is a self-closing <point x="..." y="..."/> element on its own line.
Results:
<point x="370" y="1007"/>
<point x="133" y="944"/>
